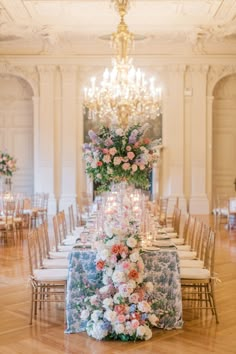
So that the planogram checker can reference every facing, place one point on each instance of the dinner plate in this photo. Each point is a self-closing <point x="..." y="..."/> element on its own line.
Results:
<point x="162" y="237"/>
<point x="163" y="243"/>
<point x="82" y="246"/>
<point x="151" y="248"/>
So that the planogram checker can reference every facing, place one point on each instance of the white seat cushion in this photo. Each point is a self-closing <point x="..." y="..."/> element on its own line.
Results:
<point x="60" y="263"/>
<point x="187" y="254"/>
<point x="69" y="242"/>
<point x="183" y="247"/>
<point x="191" y="263"/>
<point x="194" y="273"/>
<point x="54" y="254"/>
<point x="178" y="240"/>
<point x="47" y="275"/>
<point x="64" y="248"/>
<point x="172" y="234"/>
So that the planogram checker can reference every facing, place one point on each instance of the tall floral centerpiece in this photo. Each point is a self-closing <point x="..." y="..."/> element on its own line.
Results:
<point x="118" y="154"/>
<point x="7" y="168"/>
<point x="7" y="164"/>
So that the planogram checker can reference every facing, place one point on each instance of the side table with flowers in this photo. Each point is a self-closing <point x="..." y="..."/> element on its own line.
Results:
<point x="7" y="168"/>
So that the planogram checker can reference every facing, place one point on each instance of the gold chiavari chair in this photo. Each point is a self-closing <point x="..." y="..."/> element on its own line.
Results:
<point x="47" y="285"/>
<point x="198" y="283"/>
<point x="45" y="261"/>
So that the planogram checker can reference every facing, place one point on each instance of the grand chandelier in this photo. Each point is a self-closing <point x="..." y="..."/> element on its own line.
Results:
<point x="124" y="96"/>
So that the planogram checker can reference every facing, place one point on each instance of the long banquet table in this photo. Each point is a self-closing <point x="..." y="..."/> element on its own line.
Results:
<point x="161" y="267"/>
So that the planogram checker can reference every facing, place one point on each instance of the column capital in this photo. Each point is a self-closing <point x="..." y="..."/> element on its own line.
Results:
<point x="45" y="70"/>
<point x="199" y="68"/>
<point x="177" y="68"/>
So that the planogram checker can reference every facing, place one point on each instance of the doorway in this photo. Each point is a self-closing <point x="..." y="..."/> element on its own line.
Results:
<point x="16" y="129"/>
<point x="224" y="137"/>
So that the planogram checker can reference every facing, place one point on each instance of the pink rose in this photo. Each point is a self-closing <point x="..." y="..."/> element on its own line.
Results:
<point x="112" y="151"/>
<point x="106" y="158"/>
<point x="105" y="151"/>
<point x="130" y="155"/>
<point x="126" y="166"/>
<point x="126" y="265"/>
<point x="134" y="167"/>
<point x="142" y="166"/>
<point x="134" y="324"/>
<point x="134" y="298"/>
<point x="121" y="318"/>
<point x="117" y="160"/>
<point x="128" y="148"/>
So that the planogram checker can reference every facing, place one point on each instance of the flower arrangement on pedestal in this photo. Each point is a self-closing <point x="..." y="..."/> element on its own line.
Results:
<point x="7" y="164"/>
<point x="116" y="154"/>
<point x="123" y="307"/>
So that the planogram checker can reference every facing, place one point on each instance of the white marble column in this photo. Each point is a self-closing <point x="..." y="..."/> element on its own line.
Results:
<point x="45" y="181"/>
<point x="173" y="142"/>
<point x="198" y="203"/>
<point x="68" y="136"/>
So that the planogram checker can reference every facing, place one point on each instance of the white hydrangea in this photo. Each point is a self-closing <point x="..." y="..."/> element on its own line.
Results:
<point x="148" y="333"/>
<point x="118" y="277"/>
<point x="103" y="254"/>
<point x="144" y="306"/>
<point x="131" y="242"/>
<point x="119" y="328"/>
<point x="97" y="330"/>
<point x="84" y="314"/>
<point x="141" y="330"/>
<point x="104" y="289"/>
<point x="134" y="257"/>
<point x="95" y="315"/>
<point x="149" y="287"/>
<point x="110" y="315"/>
<point x="108" y="302"/>
<point x="153" y="319"/>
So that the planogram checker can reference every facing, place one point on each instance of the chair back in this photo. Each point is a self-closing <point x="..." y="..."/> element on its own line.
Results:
<point x="34" y="258"/>
<point x="71" y="219"/>
<point x="210" y="252"/>
<point x="176" y="219"/>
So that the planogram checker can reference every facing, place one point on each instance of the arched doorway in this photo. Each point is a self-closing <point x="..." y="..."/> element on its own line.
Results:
<point x="16" y="129"/>
<point x="224" y="137"/>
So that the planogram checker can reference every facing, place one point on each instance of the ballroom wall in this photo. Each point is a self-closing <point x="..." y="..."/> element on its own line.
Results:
<point x="57" y="85"/>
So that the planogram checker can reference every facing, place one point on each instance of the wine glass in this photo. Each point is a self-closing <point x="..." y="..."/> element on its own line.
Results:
<point x="83" y="238"/>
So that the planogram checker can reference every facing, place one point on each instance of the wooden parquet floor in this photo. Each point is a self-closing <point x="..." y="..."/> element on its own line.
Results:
<point x="200" y="334"/>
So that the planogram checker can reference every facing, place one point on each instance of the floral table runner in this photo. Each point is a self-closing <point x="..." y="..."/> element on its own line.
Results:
<point x="161" y="268"/>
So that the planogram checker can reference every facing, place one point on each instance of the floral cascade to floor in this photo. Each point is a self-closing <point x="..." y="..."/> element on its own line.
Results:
<point x="123" y="307"/>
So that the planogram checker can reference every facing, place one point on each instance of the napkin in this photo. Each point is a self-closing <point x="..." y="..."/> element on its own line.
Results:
<point x="163" y="243"/>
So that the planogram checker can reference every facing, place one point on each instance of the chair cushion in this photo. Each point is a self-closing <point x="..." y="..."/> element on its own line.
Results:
<point x="191" y="263"/>
<point x="60" y="263"/>
<point x="65" y="248"/>
<point x="54" y="254"/>
<point x="194" y="273"/>
<point x="69" y="241"/>
<point x="172" y="234"/>
<point x="183" y="247"/>
<point x="53" y="275"/>
<point x="187" y="254"/>
<point x="178" y="240"/>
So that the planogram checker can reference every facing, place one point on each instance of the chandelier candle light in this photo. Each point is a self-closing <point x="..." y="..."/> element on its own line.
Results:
<point x="125" y="97"/>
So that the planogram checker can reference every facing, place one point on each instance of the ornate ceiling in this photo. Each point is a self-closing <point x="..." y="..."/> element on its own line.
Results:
<point x="75" y="27"/>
